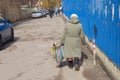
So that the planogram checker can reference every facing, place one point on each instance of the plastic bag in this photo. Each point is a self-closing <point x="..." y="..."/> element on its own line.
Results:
<point x="59" y="54"/>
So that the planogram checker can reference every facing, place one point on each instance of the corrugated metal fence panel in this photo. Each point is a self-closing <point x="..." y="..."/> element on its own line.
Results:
<point x="101" y="21"/>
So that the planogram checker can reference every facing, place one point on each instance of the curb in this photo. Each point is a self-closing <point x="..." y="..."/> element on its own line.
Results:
<point x="19" y="22"/>
<point x="105" y="63"/>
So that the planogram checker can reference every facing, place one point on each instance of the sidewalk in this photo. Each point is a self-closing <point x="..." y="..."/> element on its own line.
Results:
<point x="88" y="71"/>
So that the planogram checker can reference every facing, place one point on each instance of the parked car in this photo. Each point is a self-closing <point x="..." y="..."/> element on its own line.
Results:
<point x="39" y="13"/>
<point x="44" y="13"/>
<point x="6" y="31"/>
<point x="36" y="14"/>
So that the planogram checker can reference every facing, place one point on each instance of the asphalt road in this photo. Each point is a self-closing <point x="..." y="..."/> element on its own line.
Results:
<point x="29" y="56"/>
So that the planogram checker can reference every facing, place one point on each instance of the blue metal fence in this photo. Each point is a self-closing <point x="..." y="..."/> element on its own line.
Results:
<point x="101" y="21"/>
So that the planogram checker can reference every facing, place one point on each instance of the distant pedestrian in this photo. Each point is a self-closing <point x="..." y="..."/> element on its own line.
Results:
<point x="56" y="12"/>
<point x="71" y="38"/>
<point x="51" y="13"/>
<point x="62" y="10"/>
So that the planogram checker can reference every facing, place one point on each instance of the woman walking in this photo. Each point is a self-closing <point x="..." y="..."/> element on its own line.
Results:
<point x="71" y="38"/>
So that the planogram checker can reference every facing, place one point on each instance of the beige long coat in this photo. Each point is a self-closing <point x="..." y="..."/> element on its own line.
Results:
<point x="71" y="38"/>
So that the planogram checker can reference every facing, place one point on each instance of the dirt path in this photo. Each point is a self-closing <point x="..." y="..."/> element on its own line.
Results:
<point x="28" y="57"/>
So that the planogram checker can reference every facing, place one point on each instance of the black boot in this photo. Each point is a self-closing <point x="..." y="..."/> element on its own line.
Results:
<point x="70" y="64"/>
<point x="76" y="64"/>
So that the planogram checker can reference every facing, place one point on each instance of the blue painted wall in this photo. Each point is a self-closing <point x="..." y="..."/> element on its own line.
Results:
<point x="101" y="21"/>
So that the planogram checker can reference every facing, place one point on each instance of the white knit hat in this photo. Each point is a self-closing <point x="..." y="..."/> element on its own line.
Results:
<point x="74" y="15"/>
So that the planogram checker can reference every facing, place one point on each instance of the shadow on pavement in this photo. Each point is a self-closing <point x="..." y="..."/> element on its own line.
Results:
<point x="65" y="63"/>
<point x="83" y="56"/>
<point x="9" y="43"/>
